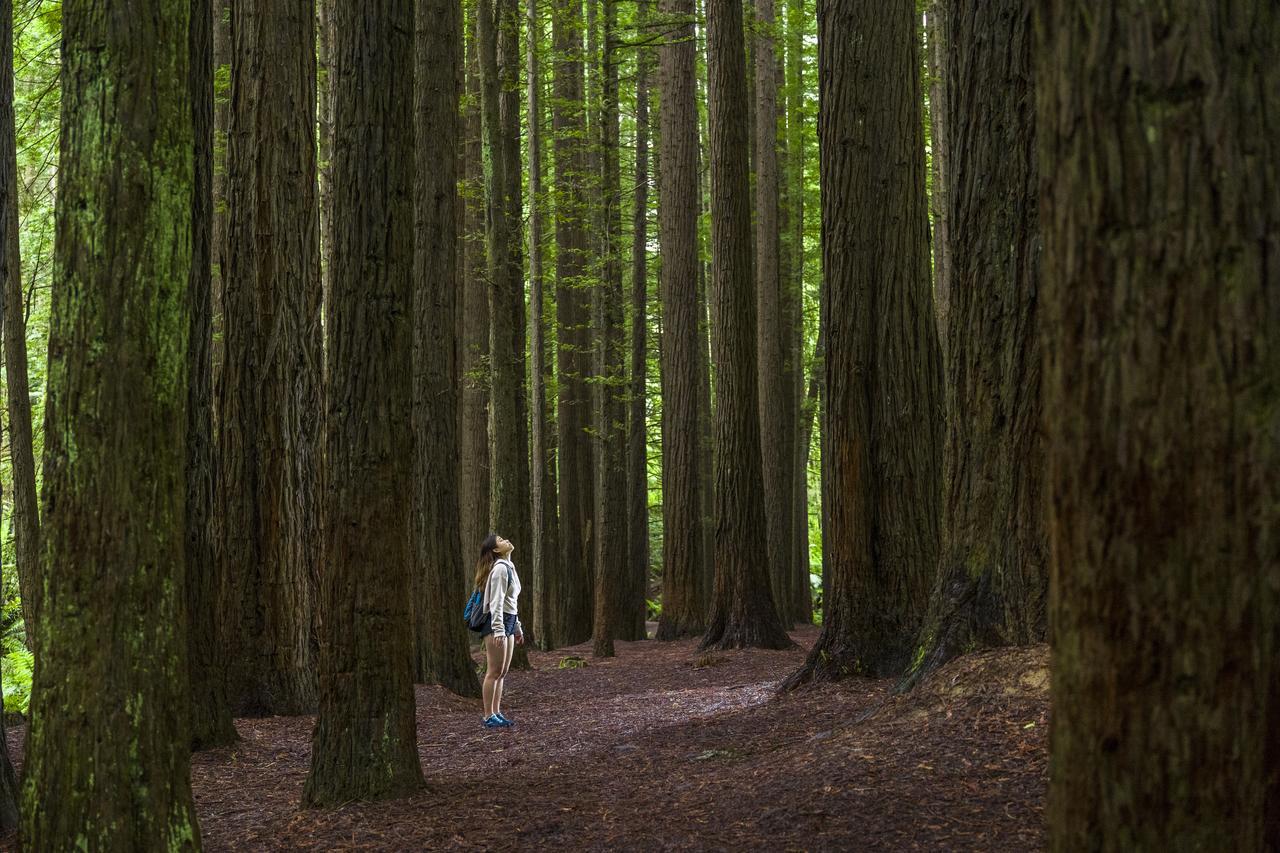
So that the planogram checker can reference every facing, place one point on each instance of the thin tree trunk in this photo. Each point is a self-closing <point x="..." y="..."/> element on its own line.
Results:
<point x="743" y="611"/>
<point x="365" y="741"/>
<point x="268" y="436"/>
<point x="569" y="590"/>
<point x="26" y="511"/>
<point x="612" y="569"/>
<point x="683" y="601"/>
<point x="210" y="709"/>
<point x="632" y="625"/>
<point x="218" y="239"/>
<point x="324" y="144"/>
<point x="881" y="424"/>
<point x="940" y="114"/>
<point x="108" y="763"/>
<point x="993" y="576"/>
<point x="442" y="651"/>
<point x="775" y="419"/>
<point x="1161" y="341"/>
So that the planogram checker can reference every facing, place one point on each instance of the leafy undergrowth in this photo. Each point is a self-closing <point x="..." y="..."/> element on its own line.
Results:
<point x="666" y="748"/>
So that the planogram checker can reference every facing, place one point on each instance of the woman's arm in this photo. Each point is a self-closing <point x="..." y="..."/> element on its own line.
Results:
<point x="496" y="592"/>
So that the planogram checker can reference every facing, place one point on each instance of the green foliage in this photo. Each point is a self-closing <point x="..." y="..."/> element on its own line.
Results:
<point x="572" y="662"/>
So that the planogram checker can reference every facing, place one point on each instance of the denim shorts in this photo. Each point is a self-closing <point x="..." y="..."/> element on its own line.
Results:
<point x="508" y="623"/>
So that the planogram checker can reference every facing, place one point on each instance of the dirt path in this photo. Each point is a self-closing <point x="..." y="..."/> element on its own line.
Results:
<point x="661" y="748"/>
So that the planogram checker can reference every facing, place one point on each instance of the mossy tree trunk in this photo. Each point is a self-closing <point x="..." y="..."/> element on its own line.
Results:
<point x="108" y="760"/>
<point x="993" y="577"/>
<point x="743" y="612"/>
<point x="569" y="589"/>
<point x="684" y="597"/>
<point x="268" y="444"/>
<point x="1159" y="141"/>
<point x="881" y="410"/>
<point x="365" y="741"/>
<point x="442" y="652"/>
<point x="210" y="709"/>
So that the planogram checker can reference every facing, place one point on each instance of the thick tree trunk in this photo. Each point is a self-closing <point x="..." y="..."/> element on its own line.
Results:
<point x="569" y="589"/>
<point x="881" y="409"/>
<point x="442" y="650"/>
<point x="742" y="608"/>
<point x="473" y="434"/>
<point x="543" y="544"/>
<point x="612" y="567"/>
<point x="992" y="580"/>
<point x="9" y="305"/>
<point x="775" y="418"/>
<point x="1161" y="336"/>
<point x="683" y="596"/>
<point x="365" y="742"/>
<point x="268" y="436"/>
<point x="26" y="511"/>
<point x="108" y="760"/>
<point x="210" y="709"/>
<point x="631" y="626"/>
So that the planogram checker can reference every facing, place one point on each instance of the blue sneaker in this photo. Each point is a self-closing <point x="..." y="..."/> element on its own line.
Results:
<point x="504" y="721"/>
<point x="494" y="723"/>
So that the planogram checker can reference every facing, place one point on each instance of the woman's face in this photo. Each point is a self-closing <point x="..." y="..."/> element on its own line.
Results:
<point x="504" y="546"/>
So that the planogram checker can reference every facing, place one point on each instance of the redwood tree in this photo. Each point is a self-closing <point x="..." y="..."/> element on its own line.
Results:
<point x="108" y="761"/>
<point x="442" y="652"/>
<point x="992" y="579"/>
<point x="270" y="395"/>
<point x="743" y="611"/>
<point x="881" y="406"/>
<point x="1161" y="336"/>
<point x="365" y="741"/>
<point x="684" y="596"/>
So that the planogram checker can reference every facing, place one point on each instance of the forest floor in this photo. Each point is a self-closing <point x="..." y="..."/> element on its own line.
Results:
<point x="664" y="748"/>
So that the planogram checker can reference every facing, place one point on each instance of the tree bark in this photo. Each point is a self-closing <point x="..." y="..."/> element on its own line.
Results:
<point x="635" y="607"/>
<point x="569" y="590"/>
<point x="211" y="724"/>
<point x="108" y="760"/>
<point x="365" y="741"/>
<point x="743" y="611"/>
<point x="993" y="579"/>
<point x="612" y="567"/>
<point x="683" y="596"/>
<point x="881" y="409"/>
<point x="1161" y="337"/>
<point x="940" y="116"/>
<point x="269" y="428"/>
<point x="218" y="239"/>
<point x="324" y="143"/>
<point x="474" y="326"/>
<point x="775" y="419"/>
<point x="442" y="650"/>
<point x="26" y="512"/>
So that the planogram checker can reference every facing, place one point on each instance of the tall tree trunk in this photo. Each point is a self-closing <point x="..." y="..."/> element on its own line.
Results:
<point x="706" y="442"/>
<point x="743" y="611"/>
<point x="365" y="741"/>
<point x="108" y="763"/>
<point x="683" y="599"/>
<point x="268" y="436"/>
<point x="26" y="512"/>
<point x="992" y="580"/>
<point x="210" y="709"/>
<point x="442" y="651"/>
<point x="612" y="569"/>
<point x="802" y="596"/>
<point x="218" y="239"/>
<point x="10" y="303"/>
<point x="543" y="544"/>
<point x="473" y="435"/>
<point x="940" y="116"/>
<point x="569" y="590"/>
<point x="635" y="606"/>
<point x="775" y="419"/>
<point x="324" y="144"/>
<point x="1161" y="336"/>
<point x="881" y="422"/>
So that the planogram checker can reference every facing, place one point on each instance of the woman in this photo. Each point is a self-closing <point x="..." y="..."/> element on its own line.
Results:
<point x="496" y="575"/>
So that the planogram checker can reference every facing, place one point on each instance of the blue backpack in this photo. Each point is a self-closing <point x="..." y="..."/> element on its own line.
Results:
<point x="475" y="614"/>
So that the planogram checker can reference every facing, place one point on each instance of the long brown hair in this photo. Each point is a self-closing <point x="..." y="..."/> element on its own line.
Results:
<point x="488" y="555"/>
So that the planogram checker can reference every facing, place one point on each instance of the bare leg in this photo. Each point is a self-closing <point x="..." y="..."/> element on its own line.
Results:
<point x="509" y="645"/>
<point x="494" y="653"/>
